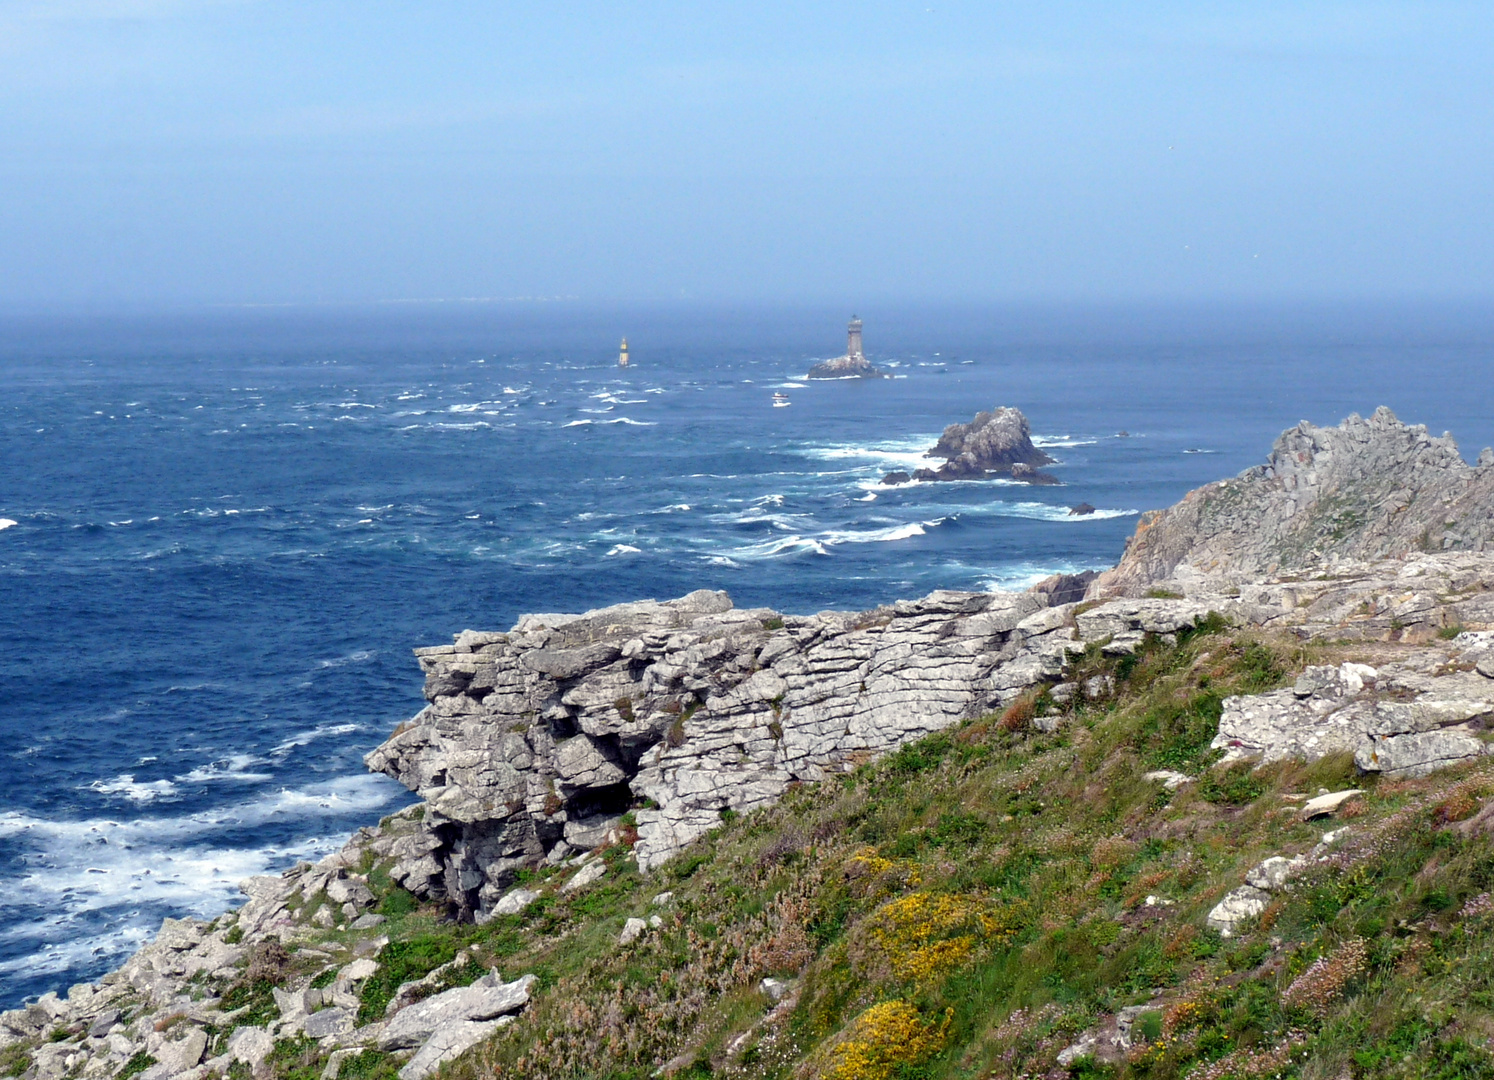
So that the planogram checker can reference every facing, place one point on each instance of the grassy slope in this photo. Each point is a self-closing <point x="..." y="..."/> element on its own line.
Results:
<point x="967" y="906"/>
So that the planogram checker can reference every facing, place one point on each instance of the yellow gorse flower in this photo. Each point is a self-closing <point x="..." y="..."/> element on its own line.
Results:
<point x="925" y="935"/>
<point x="882" y="1038"/>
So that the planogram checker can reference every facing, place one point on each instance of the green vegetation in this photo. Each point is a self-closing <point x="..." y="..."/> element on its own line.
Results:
<point x="136" y="1065"/>
<point x="370" y="1064"/>
<point x="971" y="904"/>
<point x="401" y="962"/>
<point x="14" y="1060"/>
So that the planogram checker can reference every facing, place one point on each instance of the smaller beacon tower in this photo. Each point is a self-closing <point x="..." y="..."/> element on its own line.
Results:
<point x="853" y="336"/>
<point x="622" y="357"/>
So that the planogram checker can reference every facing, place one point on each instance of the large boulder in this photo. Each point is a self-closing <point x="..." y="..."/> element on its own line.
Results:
<point x="486" y="999"/>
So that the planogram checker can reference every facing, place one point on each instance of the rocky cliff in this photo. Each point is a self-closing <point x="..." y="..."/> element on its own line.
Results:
<point x="536" y="741"/>
<point x="1079" y="833"/>
<point x="1293" y="617"/>
<point x="1366" y="489"/>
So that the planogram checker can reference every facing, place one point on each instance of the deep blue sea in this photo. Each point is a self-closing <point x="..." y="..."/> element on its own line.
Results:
<point x="221" y="533"/>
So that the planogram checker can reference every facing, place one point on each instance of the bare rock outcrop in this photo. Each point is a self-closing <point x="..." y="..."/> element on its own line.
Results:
<point x="537" y="740"/>
<point x="1364" y="490"/>
<point x="1396" y="720"/>
<point x="994" y="443"/>
<point x="165" y="1014"/>
<point x="846" y="367"/>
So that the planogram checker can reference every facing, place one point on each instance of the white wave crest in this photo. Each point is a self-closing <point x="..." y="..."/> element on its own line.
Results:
<point x="358" y="656"/>
<point x="304" y="738"/>
<point x="1024" y="575"/>
<point x="882" y="536"/>
<point x="138" y="793"/>
<point x="624" y="549"/>
<point x="786" y="545"/>
<point x="233" y="768"/>
<point x="124" y="875"/>
<point x="1036" y="511"/>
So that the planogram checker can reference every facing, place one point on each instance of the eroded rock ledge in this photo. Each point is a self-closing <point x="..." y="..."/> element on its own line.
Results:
<point x="537" y="741"/>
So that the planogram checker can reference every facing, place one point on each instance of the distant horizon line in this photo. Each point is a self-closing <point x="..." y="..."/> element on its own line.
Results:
<point x="164" y="306"/>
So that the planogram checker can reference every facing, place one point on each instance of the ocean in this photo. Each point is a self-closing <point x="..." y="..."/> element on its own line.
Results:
<point x="221" y="532"/>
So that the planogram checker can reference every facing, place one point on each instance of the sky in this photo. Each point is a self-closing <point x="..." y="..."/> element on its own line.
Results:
<point x="201" y="152"/>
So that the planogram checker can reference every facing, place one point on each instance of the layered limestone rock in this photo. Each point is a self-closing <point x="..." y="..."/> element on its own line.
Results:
<point x="536" y="741"/>
<point x="1364" y="490"/>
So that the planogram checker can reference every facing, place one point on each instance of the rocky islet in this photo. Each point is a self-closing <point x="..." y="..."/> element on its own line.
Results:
<point x="995" y="443"/>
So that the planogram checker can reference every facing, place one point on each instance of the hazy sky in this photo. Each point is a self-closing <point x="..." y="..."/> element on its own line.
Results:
<point x="169" y="151"/>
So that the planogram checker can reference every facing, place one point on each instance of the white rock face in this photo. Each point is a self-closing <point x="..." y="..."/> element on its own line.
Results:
<point x="775" y="990"/>
<point x="1237" y="907"/>
<point x="1335" y="710"/>
<point x="1413" y="755"/>
<point x="1171" y="779"/>
<point x="485" y="999"/>
<point x="1367" y="489"/>
<point x="329" y="1022"/>
<point x="514" y="902"/>
<point x="447" y="1042"/>
<point x="535" y="740"/>
<point x="251" y="1046"/>
<point x="585" y="876"/>
<point x="1323" y="805"/>
<point x="1275" y="872"/>
<point x="632" y="930"/>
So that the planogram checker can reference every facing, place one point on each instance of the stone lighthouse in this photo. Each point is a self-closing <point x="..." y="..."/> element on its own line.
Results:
<point x="853" y="339"/>
<point x="853" y="365"/>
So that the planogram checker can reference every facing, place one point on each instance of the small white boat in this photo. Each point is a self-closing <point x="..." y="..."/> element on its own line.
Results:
<point x="780" y="400"/>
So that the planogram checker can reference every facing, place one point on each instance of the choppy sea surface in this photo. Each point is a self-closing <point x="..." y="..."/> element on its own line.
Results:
<point x="222" y="533"/>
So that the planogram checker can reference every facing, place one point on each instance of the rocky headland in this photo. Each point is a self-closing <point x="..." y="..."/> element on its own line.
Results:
<point x="1367" y="489"/>
<point x="1333" y="606"/>
<point x="996" y="443"/>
